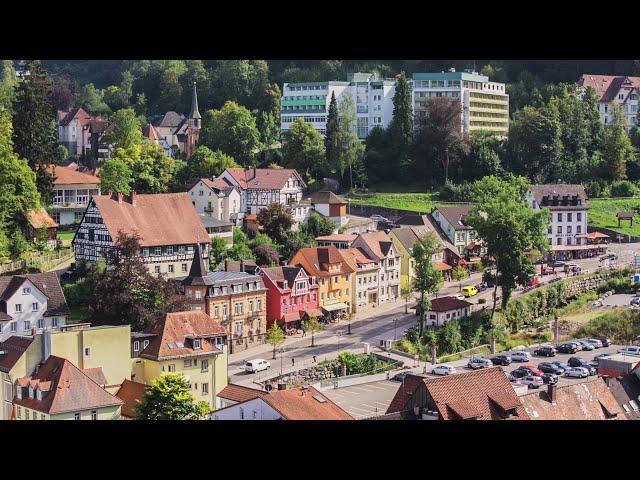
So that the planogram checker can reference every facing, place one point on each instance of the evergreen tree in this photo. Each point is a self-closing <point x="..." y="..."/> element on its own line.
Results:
<point x="34" y="132"/>
<point x="401" y="126"/>
<point x="331" y="135"/>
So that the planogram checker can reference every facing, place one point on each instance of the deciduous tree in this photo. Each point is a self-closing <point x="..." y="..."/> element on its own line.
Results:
<point x="303" y="150"/>
<point x="312" y="325"/>
<point x="275" y="337"/>
<point x="427" y="280"/>
<point x="169" y="398"/>
<point x="275" y="221"/>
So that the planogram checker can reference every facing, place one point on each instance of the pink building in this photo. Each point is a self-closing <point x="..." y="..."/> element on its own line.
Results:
<point x="292" y="295"/>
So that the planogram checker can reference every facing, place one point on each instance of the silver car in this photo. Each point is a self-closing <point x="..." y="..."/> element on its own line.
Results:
<point x="595" y="342"/>
<point x="479" y="362"/>
<point x="577" y="372"/>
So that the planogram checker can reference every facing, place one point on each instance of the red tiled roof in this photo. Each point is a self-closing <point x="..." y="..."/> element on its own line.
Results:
<point x="14" y="348"/>
<point x="294" y="405"/>
<point x="474" y="394"/>
<point x="338" y="237"/>
<point x="379" y="243"/>
<point x="65" y="117"/>
<point x="40" y="219"/>
<point x="159" y="219"/>
<point x="130" y="393"/>
<point x="175" y="329"/>
<point x="269" y="178"/>
<point x="150" y="132"/>
<point x="96" y="374"/>
<point x="327" y="197"/>
<point x="66" y="387"/>
<point x="70" y="176"/>
<point x="607" y="86"/>
<point x="238" y="393"/>
<point x="590" y="400"/>
<point x="217" y="183"/>
<point x="444" y="304"/>
<point x="442" y="266"/>
<point x="404" y="393"/>
<point x="318" y="257"/>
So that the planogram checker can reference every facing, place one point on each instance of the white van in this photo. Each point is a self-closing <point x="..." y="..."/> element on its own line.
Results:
<point x="631" y="350"/>
<point x="256" y="365"/>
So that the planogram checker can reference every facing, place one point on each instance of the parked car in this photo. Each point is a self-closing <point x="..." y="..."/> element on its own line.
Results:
<point x="531" y="370"/>
<point x="587" y="346"/>
<point x="547" y="367"/>
<point x="601" y="355"/>
<point x="558" y="263"/>
<point x="635" y="301"/>
<point x="577" y="372"/>
<point x="549" y="378"/>
<point x="501" y="360"/>
<point x="469" y="291"/>
<point x="564" y="366"/>
<point x="520" y="356"/>
<point x="444" y="370"/>
<point x="511" y="377"/>
<point x="567" y="348"/>
<point x="479" y="362"/>
<point x="460" y="296"/>
<point x="378" y="218"/>
<point x="581" y="362"/>
<point x="605" y="342"/>
<point x="517" y="373"/>
<point x="546" y="351"/>
<point x="577" y="344"/>
<point x="633" y="350"/>
<point x="482" y="286"/>
<point x="399" y="377"/>
<point x="595" y="342"/>
<point x="532" y="381"/>
<point x="256" y="365"/>
<point x="547" y="270"/>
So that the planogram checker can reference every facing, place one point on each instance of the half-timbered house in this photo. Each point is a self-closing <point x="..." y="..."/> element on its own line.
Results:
<point x="167" y="224"/>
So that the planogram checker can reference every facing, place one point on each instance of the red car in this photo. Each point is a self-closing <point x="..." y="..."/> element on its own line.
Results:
<point x="531" y="369"/>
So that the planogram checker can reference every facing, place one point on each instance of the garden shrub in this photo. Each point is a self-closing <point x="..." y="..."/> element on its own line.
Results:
<point x="623" y="188"/>
<point x="597" y="188"/>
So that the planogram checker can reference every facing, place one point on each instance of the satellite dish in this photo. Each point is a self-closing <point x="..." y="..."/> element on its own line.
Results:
<point x="268" y="387"/>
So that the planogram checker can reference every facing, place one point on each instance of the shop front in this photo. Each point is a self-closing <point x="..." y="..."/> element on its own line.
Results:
<point x="336" y="310"/>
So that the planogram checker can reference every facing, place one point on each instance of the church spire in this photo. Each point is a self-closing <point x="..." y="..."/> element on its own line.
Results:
<point x="194" y="104"/>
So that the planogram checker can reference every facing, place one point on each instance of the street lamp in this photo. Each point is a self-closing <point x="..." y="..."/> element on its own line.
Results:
<point x="395" y="324"/>
<point x="349" y="324"/>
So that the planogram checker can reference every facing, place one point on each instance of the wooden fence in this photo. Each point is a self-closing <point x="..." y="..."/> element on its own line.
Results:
<point x="41" y="262"/>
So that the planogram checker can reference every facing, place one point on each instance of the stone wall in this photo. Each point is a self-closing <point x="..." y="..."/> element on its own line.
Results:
<point x="573" y="287"/>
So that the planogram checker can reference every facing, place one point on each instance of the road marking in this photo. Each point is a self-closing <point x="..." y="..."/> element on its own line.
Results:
<point x="359" y="389"/>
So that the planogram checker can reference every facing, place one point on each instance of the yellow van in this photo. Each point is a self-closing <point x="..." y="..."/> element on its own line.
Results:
<point x="469" y="291"/>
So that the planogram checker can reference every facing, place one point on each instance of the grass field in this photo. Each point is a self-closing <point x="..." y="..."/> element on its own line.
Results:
<point x="603" y="214"/>
<point x="415" y="202"/>
<point x="66" y="237"/>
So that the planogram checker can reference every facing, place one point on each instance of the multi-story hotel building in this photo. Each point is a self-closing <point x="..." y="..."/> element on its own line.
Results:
<point x="238" y="300"/>
<point x="379" y="247"/>
<point x="623" y="90"/>
<point x="167" y="224"/>
<point x="484" y="104"/>
<point x="372" y="96"/>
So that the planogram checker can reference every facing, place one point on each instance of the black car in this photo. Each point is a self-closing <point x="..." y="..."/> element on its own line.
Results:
<point x="501" y="360"/>
<point x="547" y="367"/>
<point x="549" y="378"/>
<point x="581" y="362"/>
<point x="567" y="348"/>
<point x="399" y="377"/>
<point x="545" y="352"/>
<point x="520" y="373"/>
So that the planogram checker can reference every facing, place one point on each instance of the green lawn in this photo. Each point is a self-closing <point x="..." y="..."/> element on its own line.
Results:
<point x="66" y="237"/>
<point x="415" y="202"/>
<point x="603" y="214"/>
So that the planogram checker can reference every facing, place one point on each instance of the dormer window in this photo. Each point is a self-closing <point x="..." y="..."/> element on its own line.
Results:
<point x="196" y="343"/>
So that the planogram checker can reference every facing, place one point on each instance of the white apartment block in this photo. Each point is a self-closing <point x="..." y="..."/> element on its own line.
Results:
<point x="568" y="207"/>
<point x="372" y="96"/>
<point x="625" y="91"/>
<point x="484" y="104"/>
<point x="217" y="199"/>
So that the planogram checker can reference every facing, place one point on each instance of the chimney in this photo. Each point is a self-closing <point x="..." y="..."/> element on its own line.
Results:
<point x="133" y="198"/>
<point x="46" y="345"/>
<point x="241" y="265"/>
<point x="551" y="393"/>
<point x="119" y="197"/>
<point x="226" y="265"/>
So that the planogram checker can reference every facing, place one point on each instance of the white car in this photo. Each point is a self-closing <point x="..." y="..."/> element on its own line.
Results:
<point x="630" y="350"/>
<point x="577" y="372"/>
<point x="444" y="370"/>
<point x="520" y="356"/>
<point x="532" y="381"/>
<point x="378" y="218"/>
<point x="256" y="365"/>
<point x="460" y="297"/>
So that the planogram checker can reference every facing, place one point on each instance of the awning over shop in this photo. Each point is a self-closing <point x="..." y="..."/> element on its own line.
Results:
<point x="291" y="317"/>
<point x="594" y="235"/>
<point x="312" y="312"/>
<point x="566" y="248"/>
<point x="442" y="266"/>
<point x="334" y="307"/>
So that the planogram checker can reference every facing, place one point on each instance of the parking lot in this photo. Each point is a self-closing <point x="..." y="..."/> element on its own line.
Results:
<point x="365" y="400"/>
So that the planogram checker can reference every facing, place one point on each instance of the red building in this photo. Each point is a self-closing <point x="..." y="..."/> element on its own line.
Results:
<point x="292" y="295"/>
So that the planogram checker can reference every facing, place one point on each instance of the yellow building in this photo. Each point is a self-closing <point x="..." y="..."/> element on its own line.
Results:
<point x="100" y="352"/>
<point x="191" y="344"/>
<point x="334" y="276"/>
<point x="59" y="390"/>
